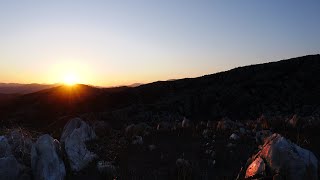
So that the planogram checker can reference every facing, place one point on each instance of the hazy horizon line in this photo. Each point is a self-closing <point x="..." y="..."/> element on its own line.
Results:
<point x="159" y="80"/>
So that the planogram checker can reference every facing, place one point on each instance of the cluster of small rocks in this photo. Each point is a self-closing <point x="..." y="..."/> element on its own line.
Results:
<point x="46" y="157"/>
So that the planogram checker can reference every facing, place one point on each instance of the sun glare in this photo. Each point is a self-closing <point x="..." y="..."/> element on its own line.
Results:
<point x="70" y="79"/>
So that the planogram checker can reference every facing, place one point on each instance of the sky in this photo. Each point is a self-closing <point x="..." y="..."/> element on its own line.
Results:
<point x="111" y="43"/>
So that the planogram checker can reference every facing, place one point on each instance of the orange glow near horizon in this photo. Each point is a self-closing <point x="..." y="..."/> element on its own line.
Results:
<point x="70" y="79"/>
<point x="79" y="70"/>
<point x="70" y="72"/>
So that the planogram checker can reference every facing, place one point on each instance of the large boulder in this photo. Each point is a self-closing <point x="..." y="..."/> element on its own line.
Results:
<point x="74" y="136"/>
<point x="76" y="124"/>
<point x="9" y="166"/>
<point x="285" y="159"/>
<point x="46" y="160"/>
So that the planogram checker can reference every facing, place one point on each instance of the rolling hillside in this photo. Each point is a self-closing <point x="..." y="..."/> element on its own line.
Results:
<point x="279" y="88"/>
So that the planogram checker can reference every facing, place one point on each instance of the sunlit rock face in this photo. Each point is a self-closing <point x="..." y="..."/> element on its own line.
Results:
<point x="284" y="158"/>
<point x="74" y="136"/>
<point x="256" y="168"/>
<point x="46" y="160"/>
<point x="9" y="166"/>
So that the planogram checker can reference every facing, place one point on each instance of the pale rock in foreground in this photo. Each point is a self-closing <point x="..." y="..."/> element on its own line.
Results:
<point x="286" y="159"/>
<point x="74" y="136"/>
<point x="46" y="162"/>
<point x="10" y="169"/>
<point x="77" y="124"/>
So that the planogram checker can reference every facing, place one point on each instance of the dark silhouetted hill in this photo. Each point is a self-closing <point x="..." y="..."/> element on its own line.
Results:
<point x="277" y="88"/>
<point x="6" y="98"/>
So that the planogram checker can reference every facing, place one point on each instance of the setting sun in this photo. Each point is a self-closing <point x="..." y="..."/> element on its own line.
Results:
<point x="70" y="79"/>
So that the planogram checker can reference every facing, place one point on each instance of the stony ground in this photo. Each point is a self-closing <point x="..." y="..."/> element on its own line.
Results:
<point x="182" y="149"/>
<point x="217" y="152"/>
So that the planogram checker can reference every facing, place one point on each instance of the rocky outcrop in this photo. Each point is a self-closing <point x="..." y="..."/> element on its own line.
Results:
<point x="74" y="136"/>
<point x="9" y="166"/>
<point x="283" y="158"/>
<point x="46" y="160"/>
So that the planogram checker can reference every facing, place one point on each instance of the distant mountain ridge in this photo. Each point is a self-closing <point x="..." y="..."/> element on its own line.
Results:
<point x="17" y="88"/>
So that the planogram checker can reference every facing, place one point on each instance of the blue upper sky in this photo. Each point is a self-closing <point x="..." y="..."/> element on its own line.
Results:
<point x="122" y="42"/>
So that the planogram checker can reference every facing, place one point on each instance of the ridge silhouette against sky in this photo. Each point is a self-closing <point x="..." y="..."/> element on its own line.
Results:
<point x="110" y="43"/>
